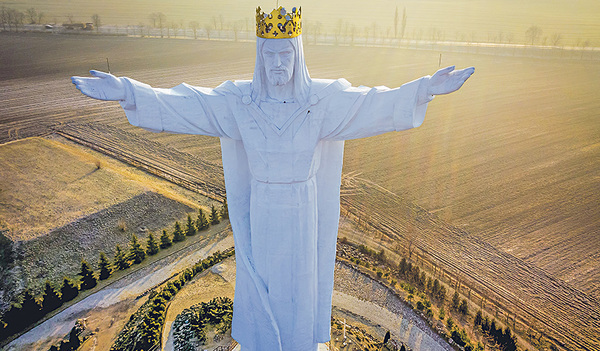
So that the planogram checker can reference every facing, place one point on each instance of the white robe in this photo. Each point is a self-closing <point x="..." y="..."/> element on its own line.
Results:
<point x="282" y="187"/>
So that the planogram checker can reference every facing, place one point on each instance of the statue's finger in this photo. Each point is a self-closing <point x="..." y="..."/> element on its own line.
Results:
<point x="446" y="70"/>
<point x="99" y="74"/>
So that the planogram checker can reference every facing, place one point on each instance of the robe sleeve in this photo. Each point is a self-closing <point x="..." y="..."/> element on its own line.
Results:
<point x="374" y="111"/>
<point x="183" y="109"/>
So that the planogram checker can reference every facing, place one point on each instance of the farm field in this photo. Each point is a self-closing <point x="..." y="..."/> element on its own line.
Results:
<point x="511" y="160"/>
<point x="465" y="20"/>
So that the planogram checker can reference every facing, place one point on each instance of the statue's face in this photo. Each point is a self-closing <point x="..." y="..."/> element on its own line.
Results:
<point x="278" y="56"/>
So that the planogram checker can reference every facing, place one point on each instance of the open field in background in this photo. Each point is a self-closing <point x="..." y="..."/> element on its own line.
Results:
<point x="511" y="160"/>
<point x="465" y="20"/>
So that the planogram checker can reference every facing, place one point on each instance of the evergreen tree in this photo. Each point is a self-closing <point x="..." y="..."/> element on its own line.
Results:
<point x="88" y="280"/>
<point x="463" y="308"/>
<point x="51" y="298"/>
<point x="478" y="318"/>
<point x="493" y="331"/>
<point x="69" y="290"/>
<point x="214" y="216"/>
<point x="191" y="227"/>
<point x="402" y="267"/>
<point x="201" y="222"/>
<point x="455" y="301"/>
<point x="31" y="309"/>
<point x="152" y="245"/>
<point x="74" y="341"/>
<point x="441" y="295"/>
<point x="509" y="342"/>
<point x="104" y="265"/>
<point x="224" y="210"/>
<point x="178" y="233"/>
<point x="165" y="240"/>
<point x="136" y="252"/>
<point x="121" y="260"/>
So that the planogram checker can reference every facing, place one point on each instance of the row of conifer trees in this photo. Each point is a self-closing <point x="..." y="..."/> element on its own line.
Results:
<point x="28" y="309"/>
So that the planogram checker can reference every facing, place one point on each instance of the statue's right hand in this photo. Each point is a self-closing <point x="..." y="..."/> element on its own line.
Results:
<point x="102" y="86"/>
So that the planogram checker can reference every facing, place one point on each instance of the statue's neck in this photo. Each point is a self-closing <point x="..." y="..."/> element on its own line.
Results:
<point x="281" y="92"/>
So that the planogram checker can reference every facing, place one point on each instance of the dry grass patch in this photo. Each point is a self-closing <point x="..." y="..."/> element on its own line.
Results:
<point x="45" y="184"/>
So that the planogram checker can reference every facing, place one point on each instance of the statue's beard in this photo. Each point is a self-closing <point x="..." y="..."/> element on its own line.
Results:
<point x="279" y="76"/>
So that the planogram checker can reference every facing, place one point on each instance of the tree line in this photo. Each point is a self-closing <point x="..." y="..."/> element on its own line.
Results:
<point x="417" y="282"/>
<point x="27" y="308"/>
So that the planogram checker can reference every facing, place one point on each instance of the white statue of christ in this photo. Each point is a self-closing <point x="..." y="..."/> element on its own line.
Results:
<point x="282" y="139"/>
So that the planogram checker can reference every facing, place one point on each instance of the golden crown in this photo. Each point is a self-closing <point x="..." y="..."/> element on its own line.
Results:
<point x="279" y="24"/>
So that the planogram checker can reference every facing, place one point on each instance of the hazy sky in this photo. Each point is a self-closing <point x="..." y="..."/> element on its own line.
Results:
<point x="480" y="20"/>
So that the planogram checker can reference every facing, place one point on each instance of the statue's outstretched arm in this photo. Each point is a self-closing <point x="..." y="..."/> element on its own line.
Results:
<point x="448" y="80"/>
<point x="102" y="86"/>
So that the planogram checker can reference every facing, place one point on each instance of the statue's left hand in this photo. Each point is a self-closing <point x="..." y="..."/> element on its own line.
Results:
<point x="448" y="80"/>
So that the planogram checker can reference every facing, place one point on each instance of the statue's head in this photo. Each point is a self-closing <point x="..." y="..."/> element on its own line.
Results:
<point x="279" y="53"/>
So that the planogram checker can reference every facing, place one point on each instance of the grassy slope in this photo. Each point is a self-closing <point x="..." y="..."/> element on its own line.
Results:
<point x="46" y="184"/>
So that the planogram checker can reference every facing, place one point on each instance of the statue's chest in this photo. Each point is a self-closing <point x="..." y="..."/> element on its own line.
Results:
<point x="282" y="128"/>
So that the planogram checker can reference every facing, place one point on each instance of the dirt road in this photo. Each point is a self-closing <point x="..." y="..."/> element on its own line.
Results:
<point x="125" y="291"/>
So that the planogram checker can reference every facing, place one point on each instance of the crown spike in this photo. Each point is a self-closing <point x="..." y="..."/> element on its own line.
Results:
<point x="279" y="24"/>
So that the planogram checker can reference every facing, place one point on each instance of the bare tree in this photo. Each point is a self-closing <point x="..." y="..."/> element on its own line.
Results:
<point x="31" y="14"/>
<point x="194" y="25"/>
<point x="70" y="18"/>
<point x="153" y="18"/>
<point x="236" y="29"/>
<point x="4" y="17"/>
<point x="208" y="28"/>
<point x="510" y="37"/>
<point x="396" y="23"/>
<point x="40" y="17"/>
<point x="533" y="33"/>
<point x="403" y="23"/>
<point x="15" y="18"/>
<point x="141" y="28"/>
<point x="158" y="20"/>
<point x="161" y="20"/>
<point x="338" y="30"/>
<point x="555" y="39"/>
<point x="96" y="21"/>
<point x="317" y="29"/>
<point x="182" y="27"/>
<point x="174" y="26"/>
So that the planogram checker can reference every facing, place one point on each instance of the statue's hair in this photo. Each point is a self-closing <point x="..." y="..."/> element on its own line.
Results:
<point x="300" y="76"/>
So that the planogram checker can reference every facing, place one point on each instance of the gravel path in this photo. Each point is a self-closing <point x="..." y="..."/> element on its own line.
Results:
<point x="361" y="295"/>
<point x="130" y="286"/>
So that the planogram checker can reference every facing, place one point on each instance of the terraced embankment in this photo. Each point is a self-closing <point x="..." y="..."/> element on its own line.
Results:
<point x="491" y="277"/>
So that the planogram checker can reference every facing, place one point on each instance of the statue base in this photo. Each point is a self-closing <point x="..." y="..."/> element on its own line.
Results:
<point x="322" y="347"/>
